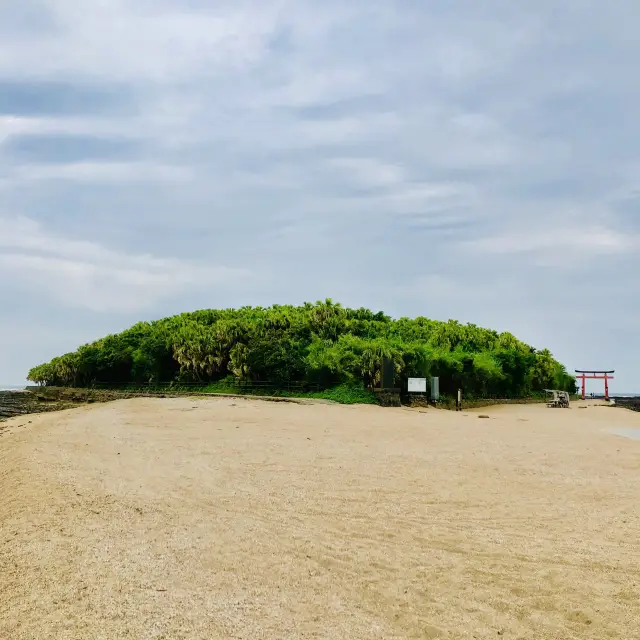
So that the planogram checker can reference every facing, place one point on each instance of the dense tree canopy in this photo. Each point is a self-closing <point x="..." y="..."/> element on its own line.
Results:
<point x="320" y="343"/>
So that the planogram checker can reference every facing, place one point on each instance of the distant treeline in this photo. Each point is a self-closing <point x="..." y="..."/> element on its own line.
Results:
<point x="322" y="343"/>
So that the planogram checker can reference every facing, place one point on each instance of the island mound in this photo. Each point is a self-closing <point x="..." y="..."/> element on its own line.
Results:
<point x="321" y="346"/>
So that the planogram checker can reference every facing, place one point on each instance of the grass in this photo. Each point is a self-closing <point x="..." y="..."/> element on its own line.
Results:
<point x="345" y="394"/>
<point x="342" y="394"/>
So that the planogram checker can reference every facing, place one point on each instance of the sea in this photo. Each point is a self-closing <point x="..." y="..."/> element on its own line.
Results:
<point x="616" y="395"/>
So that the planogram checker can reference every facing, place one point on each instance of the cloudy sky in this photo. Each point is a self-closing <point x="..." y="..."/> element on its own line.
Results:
<point x="468" y="160"/>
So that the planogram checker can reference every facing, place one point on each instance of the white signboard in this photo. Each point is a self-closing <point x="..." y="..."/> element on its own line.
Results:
<point x="417" y="385"/>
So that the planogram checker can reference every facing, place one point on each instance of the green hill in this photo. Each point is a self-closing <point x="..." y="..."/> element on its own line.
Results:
<point x="320" y="343"/>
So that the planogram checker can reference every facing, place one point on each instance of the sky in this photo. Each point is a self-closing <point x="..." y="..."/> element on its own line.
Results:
<point x="466" y="160"/>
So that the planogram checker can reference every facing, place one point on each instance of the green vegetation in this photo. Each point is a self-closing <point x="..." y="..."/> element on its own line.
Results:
<point x="342" y="393"/>
<point x="298" y="350"/>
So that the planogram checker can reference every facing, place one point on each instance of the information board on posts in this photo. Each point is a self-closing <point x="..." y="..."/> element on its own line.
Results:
<point x="417" y="385"/>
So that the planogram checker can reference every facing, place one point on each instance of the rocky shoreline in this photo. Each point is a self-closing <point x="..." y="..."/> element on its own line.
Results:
<point x="628" y="403"/>
<point x="44" y="399"/>
<point x="20" y="403"/>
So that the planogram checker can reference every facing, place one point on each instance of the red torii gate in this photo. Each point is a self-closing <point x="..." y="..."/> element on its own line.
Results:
<point x="595" y="375"/>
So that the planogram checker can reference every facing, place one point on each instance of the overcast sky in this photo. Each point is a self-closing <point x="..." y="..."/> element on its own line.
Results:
<point x="469" y="160"/>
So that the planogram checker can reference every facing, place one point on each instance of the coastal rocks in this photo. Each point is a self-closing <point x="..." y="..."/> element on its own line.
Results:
<point x="20" y="403"/>
<point x="17" y="403"/>
<point x="628" y="403"/>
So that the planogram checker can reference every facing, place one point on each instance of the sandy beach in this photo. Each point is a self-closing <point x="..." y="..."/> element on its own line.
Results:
<point x="222" y="518"/>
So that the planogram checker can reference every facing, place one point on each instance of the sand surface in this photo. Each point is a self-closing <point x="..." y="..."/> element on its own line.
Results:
<point x="220" y="518"/>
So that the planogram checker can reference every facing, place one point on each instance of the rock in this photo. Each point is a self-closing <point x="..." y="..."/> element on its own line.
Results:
<point x="628" y="403"/>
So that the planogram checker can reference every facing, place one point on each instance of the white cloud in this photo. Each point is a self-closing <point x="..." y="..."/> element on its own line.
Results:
<point x="85" y="274"/>
<point x="558" y="240"/>
<point x="127" y="40"/>
<point x="101" y="172"/>
<point x="92" y="126"/>
<point x="369" y="171"/>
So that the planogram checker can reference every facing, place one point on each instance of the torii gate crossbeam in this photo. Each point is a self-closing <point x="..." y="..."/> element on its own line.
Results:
<point x="595" y="375"/>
